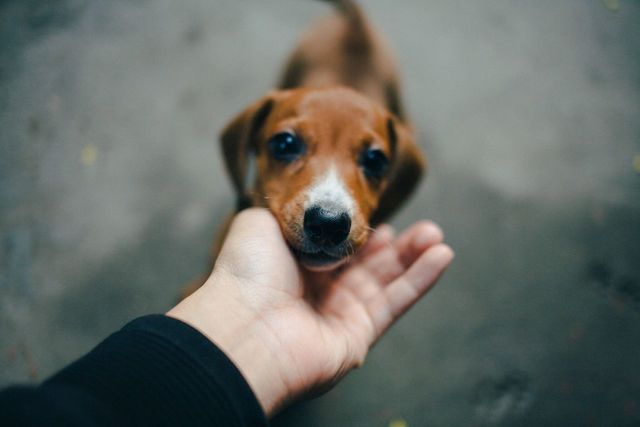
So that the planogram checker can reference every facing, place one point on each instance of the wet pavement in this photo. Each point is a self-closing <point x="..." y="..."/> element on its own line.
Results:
<point x="111" y="188"/>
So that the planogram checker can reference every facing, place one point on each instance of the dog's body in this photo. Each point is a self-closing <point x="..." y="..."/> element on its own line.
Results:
<point x="333" y="152"/>
<point x="343" y="50"/>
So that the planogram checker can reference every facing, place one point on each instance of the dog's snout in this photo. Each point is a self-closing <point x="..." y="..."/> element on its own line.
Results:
<point x="326" y="228"/>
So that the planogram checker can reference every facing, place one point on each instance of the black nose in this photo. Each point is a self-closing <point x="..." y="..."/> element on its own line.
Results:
<point x="326" y="228"/>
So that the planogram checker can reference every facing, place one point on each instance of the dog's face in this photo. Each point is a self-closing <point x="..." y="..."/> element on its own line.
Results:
<point x="328" y="163"/>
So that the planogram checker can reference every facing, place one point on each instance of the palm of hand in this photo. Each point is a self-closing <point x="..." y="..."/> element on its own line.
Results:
<point x="291" y="331"/>
<point x="324" y="323"/>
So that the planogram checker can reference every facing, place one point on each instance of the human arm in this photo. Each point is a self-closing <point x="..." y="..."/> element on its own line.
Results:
<point x="259" y="334"/>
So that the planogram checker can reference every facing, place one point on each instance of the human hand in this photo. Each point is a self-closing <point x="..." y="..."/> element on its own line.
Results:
<point x="292" y="332"/>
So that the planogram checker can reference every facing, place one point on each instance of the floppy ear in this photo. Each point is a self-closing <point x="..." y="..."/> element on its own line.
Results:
<point x="238" y="140"/>
<point x="408" y="165"/>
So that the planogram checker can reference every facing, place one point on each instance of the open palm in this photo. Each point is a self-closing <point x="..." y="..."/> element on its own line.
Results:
<point x="315" y="327"/>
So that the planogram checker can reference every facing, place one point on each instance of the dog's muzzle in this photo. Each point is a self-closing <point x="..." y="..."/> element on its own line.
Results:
<point x="326" y="228"/>
<point x="325" y="238"/>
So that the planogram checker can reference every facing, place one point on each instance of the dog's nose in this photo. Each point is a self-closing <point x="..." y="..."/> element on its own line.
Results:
<point x="326" y="228"/>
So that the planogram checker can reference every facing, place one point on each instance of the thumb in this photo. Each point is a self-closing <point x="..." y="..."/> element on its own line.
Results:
<point x="254" y="248"/>
<point x="252" y="224"/>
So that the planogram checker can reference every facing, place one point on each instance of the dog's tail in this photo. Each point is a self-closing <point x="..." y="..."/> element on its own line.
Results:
<point x="358" y="38"/>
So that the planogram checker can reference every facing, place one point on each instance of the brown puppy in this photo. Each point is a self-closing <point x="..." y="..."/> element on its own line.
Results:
<point x="332" y="152"/>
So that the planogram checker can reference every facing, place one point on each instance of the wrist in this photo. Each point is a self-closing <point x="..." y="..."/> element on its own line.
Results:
<point x="259" y="364"/>
<point x="219" y="313"/>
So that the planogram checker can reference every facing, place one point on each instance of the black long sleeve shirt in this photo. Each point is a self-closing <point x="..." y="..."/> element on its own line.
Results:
<point x="156" y="371"/>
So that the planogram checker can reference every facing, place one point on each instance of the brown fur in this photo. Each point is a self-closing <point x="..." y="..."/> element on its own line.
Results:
<point x="339" y="92"/>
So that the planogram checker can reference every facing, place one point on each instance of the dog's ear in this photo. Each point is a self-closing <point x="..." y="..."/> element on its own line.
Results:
<point x="238" y="141"/>
<point x="407" y="167"/>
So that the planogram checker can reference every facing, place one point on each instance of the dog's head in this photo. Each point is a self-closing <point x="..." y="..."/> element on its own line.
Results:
<point x="329" y="164"/>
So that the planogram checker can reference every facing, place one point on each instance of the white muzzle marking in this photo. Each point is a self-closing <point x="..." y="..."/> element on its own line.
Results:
<point x="329" y="192"/>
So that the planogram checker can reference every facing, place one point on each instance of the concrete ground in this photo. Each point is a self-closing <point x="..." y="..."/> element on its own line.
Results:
<point x="111" y="188"/>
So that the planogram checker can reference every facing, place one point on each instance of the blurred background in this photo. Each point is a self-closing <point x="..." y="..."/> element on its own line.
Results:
<point x="111" y="188"/>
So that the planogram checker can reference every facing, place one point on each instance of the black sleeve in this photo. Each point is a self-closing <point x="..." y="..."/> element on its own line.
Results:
<point x="155" y="371"/>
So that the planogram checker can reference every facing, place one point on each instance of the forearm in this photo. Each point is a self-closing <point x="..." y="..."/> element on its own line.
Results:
<point x="155" y="371"/>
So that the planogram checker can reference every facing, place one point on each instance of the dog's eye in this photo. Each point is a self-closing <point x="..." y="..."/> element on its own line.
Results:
<point x="374" y="163"/>
<point x="286" y="147"/>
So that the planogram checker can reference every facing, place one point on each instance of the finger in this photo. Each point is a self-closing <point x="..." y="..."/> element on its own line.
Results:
<point x="252" y="222"/>
<point x="368" y="279"/>
<point x="381" y="237"/>
<point x="419" y="278"/>
<point x="389" y="263"/>
<point x="417" y="239"/>
<point x="254" y="246"/>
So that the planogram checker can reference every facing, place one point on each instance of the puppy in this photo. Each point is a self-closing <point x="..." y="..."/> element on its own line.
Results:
<point x="330" y="151"/>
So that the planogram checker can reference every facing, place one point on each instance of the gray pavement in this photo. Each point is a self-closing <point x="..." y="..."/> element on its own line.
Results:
<point x="111" y="188"/>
